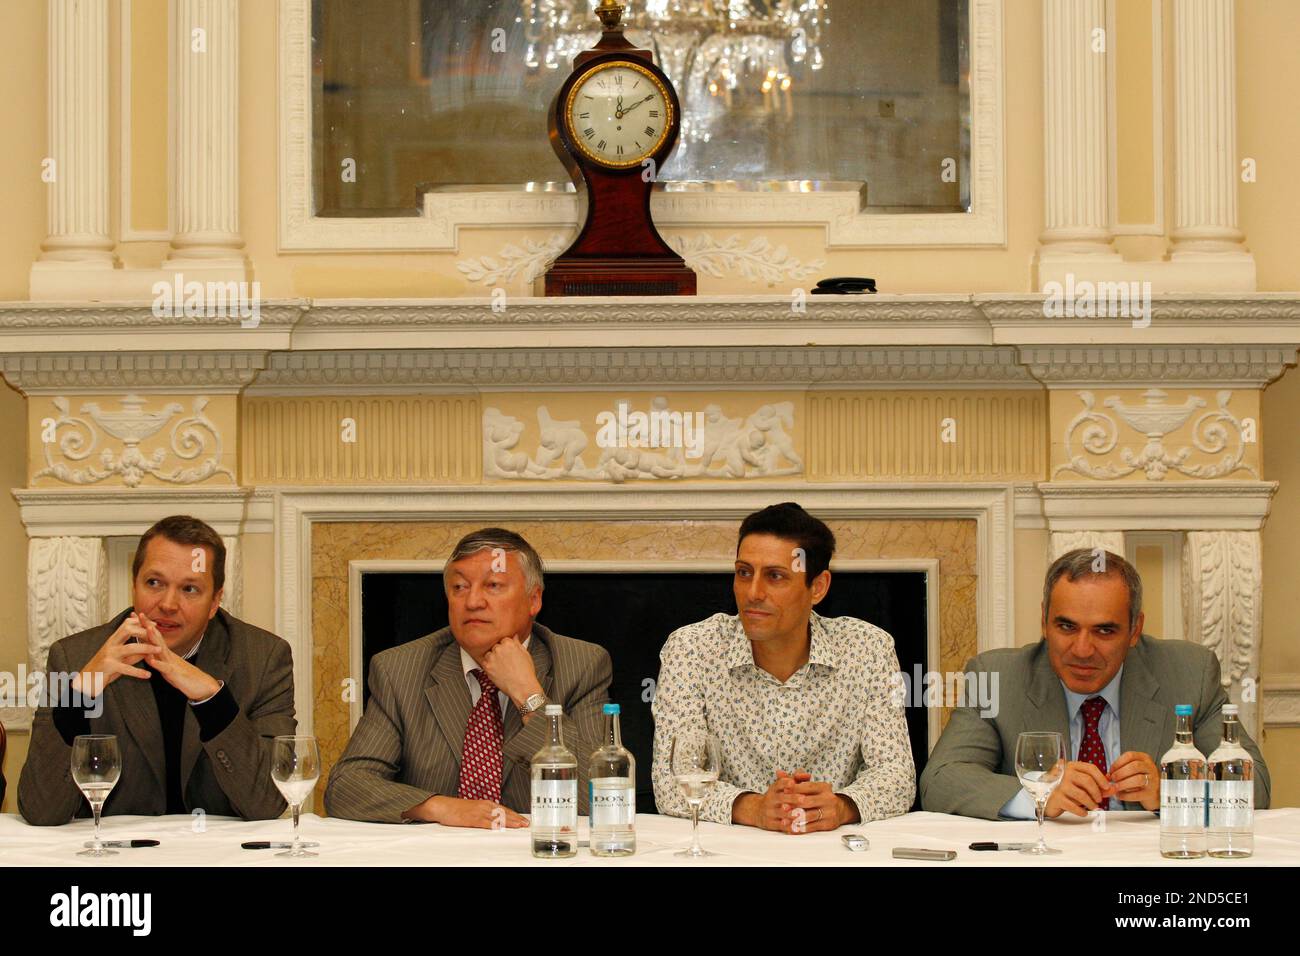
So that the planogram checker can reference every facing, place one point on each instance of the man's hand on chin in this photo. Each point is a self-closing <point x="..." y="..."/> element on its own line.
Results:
<point x="510" y="667"/>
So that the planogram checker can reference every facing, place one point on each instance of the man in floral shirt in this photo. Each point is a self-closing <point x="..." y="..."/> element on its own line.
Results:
<point x="812" y="737"/>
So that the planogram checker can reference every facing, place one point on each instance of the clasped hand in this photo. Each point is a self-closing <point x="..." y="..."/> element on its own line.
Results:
<point x="1133" y="778"/>
<point x="136" y="639"/>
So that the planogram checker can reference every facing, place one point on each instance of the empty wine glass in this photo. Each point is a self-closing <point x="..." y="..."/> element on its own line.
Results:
<point x="696" y="761"/>
<point x="295" y="768"/>
<point x="96" y="765"/>
<point x="1040" y="765"/>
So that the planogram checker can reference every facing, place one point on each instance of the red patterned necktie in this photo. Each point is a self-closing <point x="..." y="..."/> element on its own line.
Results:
<point x="1091" y="751"/>
<point x="480" y="760"/>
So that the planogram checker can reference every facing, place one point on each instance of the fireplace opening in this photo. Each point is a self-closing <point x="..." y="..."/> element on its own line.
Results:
<point x="631" y="614"/>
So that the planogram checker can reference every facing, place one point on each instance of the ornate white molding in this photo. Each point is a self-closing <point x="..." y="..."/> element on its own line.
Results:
<point x="1174" y="506"/>
<point x="1137" y="366"/>
<point x="232" y="593"/>
<point x="989" y="505"/>
<point x="188" y="440"/>
<point x="840" y="212"/>
<point x="1242" y="339"/>
<point x="1205" y="130"/>
<point x="118" y="512"/>
<point x="1263" y="316"/>
<point x="212" y="373"/>
<point x="78" y="115"/>
<point x="757" y="260"/>
<point x="67" y="591"/>
<point x="205" y="116"/>
<point x="655" y="443"/>
<point x="1217" y="434"/>
<point x="1075" y="149"/>
<point x="1281" y="701"/>
<point x="534" y="368"/>
<point x="1222" y="589"/>
<point x="1060" y="542"/>
<point x="642" y="311"/>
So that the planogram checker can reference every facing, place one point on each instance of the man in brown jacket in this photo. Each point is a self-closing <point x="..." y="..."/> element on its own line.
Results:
<point x="193" y="695"/>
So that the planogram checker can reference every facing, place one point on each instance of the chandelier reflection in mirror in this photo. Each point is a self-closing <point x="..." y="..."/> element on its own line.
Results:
<point x="708" y="48"/>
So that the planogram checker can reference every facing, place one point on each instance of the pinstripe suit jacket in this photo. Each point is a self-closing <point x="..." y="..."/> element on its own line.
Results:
<point x="408" y="743"/>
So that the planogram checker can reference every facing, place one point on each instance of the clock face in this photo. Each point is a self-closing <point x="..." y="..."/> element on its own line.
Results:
<point x="618" y="114"/>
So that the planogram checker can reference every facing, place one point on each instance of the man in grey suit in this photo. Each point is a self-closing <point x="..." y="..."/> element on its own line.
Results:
<point x="454" y="717"/>
<point x="1106" y="687"/>
<point x="193" y="694"/>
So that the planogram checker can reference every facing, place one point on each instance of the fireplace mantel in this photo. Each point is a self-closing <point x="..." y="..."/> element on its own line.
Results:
<point x="958" y="339"/>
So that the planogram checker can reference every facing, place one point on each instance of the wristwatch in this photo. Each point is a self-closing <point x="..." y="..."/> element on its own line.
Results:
<point x="533" y="704"/>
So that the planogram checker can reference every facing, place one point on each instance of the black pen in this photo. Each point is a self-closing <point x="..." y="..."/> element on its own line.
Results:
<point x="267" y="845"/>
<point x="123" y="844"/>
<point x="1001" y="846"/>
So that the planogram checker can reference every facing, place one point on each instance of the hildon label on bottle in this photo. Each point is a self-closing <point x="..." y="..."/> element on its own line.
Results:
<point x="555" y="803"/>
<point x="1231" y="803"/>
<point x="613" y="802"/>
<point x="1182" y="803"/>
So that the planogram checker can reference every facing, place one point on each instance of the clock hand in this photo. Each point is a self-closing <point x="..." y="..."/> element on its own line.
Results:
<point x="635" y="105"/>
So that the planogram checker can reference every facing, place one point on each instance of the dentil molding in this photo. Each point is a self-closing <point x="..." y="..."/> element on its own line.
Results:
<point x="212" y="373"/>
<point x="380" y="369"/>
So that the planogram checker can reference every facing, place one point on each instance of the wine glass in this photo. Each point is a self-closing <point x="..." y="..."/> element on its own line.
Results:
<point x="696" y="761"/>
<point x="1040" y="765"/>
<point x="96" y="765"/>
<point x="295" y="768"/>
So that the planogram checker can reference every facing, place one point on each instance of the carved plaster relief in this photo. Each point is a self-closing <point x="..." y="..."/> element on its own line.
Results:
<point x="72" y="439"/>
<point x="754" y="261"/>
<point x="67" y="590"/>
<point x="1222" y="589"/>
<point x="1093" y="435"/>
<point x="660" y="442"/>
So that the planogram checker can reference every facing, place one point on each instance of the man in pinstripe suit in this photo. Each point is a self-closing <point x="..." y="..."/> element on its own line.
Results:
<point x="454" y="717"/>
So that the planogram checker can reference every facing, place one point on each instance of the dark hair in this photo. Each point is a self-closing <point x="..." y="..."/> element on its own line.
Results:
<point x="182" y="529"/>
<point x="485" y="538"/>
<point x="792" y="523"/>
<point x="1074" y="564"/>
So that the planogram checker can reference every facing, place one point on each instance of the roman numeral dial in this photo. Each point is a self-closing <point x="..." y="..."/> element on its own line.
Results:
<point x="618" y="114"/>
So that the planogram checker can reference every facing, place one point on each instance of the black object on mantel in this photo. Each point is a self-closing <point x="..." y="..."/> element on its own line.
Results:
<point x="846" y="285"/>
<point x="614" y="122"/>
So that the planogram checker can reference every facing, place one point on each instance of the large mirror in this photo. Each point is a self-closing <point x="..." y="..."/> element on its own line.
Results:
<point x="412" y="96"/>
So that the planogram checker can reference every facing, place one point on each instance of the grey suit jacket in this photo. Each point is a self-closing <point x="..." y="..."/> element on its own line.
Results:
<point x="408" y="743"/>
<point x="229" y="775"/>
<point x="972" y="770"/>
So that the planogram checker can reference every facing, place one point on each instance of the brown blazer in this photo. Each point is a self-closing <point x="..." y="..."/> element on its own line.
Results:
<point x="229" y="775"/>
<point x="408" y="743"/>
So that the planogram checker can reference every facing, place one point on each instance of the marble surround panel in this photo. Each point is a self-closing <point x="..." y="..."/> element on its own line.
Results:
<point x="335" y="544"/>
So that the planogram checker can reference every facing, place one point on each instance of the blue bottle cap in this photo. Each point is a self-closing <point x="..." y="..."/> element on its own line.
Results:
<point x="610" y="709"/>
<point x="1183" y="710"/>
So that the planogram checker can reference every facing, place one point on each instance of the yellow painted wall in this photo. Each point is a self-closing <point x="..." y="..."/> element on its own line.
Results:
<point x="13" y="564"/>
<point x="1268" y="32"/>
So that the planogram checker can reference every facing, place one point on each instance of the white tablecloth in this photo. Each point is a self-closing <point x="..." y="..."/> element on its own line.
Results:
<point x="1128" y="839"/>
